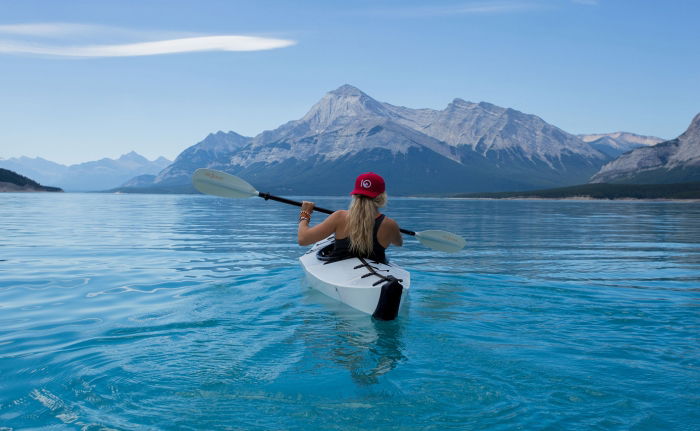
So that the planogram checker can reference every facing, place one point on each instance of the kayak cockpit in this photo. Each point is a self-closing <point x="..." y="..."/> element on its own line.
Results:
<point x="372" y="287"/>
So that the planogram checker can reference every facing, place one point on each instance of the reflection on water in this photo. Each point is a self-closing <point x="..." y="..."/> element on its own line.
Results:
<point x="365" y="347"/>
<point x="368" y="348"/>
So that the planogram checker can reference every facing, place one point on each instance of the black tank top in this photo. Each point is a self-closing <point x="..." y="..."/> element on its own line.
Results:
<point x="342" y="246"/>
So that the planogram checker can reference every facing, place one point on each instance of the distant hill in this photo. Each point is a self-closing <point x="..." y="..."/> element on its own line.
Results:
<point x="13" y="182"/>
<point x="89" y="176"/>
<point x="603" y="191"/>
<point x="214" y="152"/>
<point x="618" y="143"/>
<point x="674" y="161"/>
<point x="464" y="147"/>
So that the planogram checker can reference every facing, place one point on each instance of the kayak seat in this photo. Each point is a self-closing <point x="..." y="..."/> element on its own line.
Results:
<point x="325" y="253"/>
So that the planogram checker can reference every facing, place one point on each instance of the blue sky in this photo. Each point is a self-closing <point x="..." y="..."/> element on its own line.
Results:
<point x="82" y="80"/>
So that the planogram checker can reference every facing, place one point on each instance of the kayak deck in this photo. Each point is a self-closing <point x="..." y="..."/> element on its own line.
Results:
<point x="368" y="286"/>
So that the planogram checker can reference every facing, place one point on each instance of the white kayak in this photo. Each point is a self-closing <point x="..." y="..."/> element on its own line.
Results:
<point x="371" y="287"/>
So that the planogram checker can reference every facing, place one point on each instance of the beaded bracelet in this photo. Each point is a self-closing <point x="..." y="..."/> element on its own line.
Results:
<point x="304" y="215"/>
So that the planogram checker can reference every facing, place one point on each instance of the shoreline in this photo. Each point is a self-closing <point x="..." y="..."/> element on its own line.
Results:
<point x="581" y="199"/>
<point x="520" y="198"/>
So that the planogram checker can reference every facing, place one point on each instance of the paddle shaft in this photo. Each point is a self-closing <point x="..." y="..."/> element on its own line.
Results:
<point x="268" y="196"/>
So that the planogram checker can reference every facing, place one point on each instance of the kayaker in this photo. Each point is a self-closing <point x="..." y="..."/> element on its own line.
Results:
<point x="360" y="230"/>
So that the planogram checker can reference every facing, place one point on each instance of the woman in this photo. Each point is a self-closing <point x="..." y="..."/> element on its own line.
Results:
<point x="359" y="231"/>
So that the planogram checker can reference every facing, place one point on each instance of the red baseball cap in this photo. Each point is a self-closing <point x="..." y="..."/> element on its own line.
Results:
<point x="369" y="184"/>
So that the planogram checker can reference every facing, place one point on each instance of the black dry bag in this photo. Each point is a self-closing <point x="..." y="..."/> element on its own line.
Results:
<point x="389" y="300"/>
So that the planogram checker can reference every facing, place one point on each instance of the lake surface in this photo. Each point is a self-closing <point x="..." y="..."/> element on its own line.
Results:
<point x="146" y="312"/>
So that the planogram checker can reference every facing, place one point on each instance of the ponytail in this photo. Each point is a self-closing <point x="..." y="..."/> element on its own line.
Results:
<point x="361" y="217"/>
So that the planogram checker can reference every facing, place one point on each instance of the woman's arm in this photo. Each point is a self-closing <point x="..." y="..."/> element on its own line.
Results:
<point x="397" y="238"/>
<point x="389" y="233"/>
<point x="308" y="235"/>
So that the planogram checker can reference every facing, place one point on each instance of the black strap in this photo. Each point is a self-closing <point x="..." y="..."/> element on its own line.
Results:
<point x="372" y="271"/>
<point x="377" y="222"/>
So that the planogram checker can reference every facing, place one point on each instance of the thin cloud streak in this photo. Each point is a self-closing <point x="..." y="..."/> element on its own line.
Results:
<point x="49" y="29"/>
<point x="67" y="30"/>
<point x="68" y="40"/>
<point x="173" y="46"/>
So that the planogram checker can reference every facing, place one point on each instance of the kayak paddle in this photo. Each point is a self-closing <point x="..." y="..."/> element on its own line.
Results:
<point x="225" y="185"/>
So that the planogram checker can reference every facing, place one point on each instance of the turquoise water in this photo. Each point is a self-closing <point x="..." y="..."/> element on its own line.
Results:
<point x="139" y="312"/>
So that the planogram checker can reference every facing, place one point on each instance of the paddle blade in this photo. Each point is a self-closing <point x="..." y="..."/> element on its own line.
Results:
<point x="219" y="183"/>
<point x="441" y="240"/>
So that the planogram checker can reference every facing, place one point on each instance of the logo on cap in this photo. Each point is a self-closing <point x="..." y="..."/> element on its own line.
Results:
<point x="368" y="184"/>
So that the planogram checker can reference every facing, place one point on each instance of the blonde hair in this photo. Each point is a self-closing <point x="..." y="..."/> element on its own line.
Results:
<point x="361" y="215"/>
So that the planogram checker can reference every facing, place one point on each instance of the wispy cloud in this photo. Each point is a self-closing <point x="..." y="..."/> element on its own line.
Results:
<point x="470" y="8"/>
<point x="46" y="29"/>
<point x="586" y="2"/>
<point x="172" y="46"/>
<point x="65" y="30"/>
<point x="59" y="39"/>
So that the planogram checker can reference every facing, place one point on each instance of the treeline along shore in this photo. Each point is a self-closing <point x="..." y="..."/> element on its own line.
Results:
<point x="13" y="182"/>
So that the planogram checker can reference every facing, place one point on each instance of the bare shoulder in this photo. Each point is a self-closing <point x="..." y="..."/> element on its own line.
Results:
<point x="391" y="223"/>
<point x="339" y="215"/>
<point x="337" y="218"/>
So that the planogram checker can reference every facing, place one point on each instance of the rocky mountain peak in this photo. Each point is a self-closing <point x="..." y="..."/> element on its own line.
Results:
<point x="344" y="103"/>
<point x="221" y="138"/>
<point x="460" y="104"/>
<point x="693" y="131"/>
<point x="347" y="90"/>
<point x="133" y="156"/>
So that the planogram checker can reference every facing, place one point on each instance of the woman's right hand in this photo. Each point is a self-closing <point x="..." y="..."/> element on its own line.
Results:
<point x="307" y="206"/>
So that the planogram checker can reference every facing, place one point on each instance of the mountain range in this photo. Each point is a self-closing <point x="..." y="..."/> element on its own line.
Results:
<point x="96" y="175"/>
<point x="673" y="161"/>
<point x="464" y="147"/>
